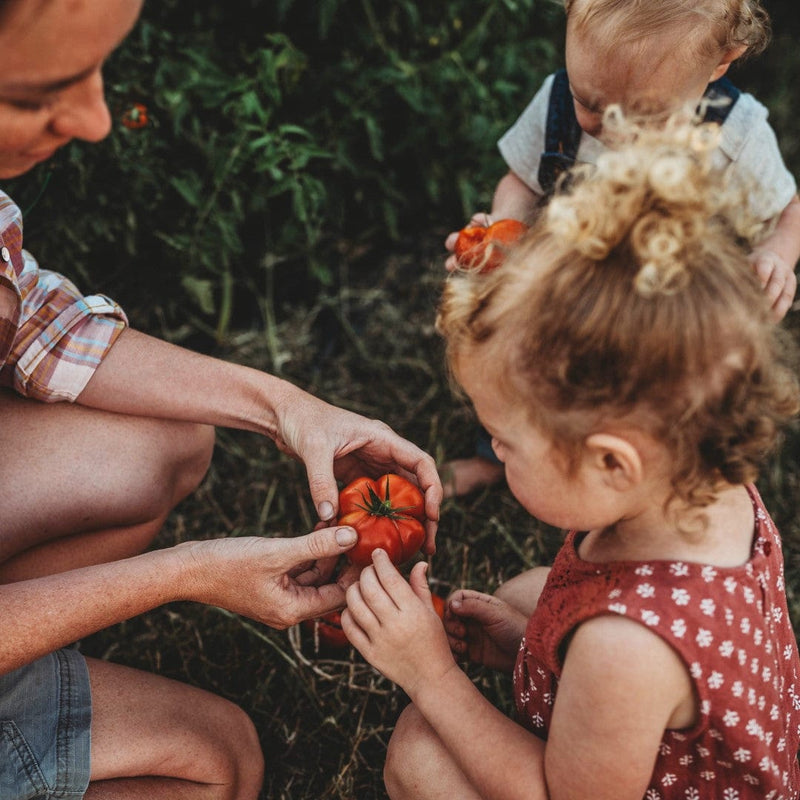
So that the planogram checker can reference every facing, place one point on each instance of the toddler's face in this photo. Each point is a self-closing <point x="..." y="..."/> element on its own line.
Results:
<point x="536" y="473"/>
<point x="652" y="77"/>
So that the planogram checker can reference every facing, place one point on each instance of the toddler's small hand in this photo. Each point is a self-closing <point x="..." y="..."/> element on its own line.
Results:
<point x="778" y="279"/>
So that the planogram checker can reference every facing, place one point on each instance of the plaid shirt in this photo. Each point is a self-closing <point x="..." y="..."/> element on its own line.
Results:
<point x="52" y="339"/>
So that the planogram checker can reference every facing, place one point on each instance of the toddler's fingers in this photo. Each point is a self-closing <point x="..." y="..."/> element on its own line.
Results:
<point x="360" y="611"/>
<point x="375" y="595"/>
<point x="353" y="631"/>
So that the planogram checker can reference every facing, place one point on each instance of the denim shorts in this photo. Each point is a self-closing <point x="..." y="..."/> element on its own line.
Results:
<point x="45" y="720"/>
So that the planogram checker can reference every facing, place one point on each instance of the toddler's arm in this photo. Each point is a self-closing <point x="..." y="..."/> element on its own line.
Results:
<point x="775" y="257"/>
<point x="393" y="624"/>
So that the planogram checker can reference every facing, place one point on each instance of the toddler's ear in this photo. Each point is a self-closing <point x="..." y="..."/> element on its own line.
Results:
<point x="617" y="460"/>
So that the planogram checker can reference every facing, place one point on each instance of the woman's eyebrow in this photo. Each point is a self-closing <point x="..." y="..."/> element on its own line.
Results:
<point x="47" y="87"/>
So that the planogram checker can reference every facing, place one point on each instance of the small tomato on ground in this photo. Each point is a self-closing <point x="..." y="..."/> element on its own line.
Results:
<point x="439" y="604"/>
<point x="386" y="513"/>
<point x="484" y="249"/>
<point x="328" y="629"/>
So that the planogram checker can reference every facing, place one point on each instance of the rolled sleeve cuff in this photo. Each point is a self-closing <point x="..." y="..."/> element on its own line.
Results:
<point x="59" y="363"/>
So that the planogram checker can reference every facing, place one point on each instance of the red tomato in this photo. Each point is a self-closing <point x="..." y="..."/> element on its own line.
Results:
<point x="135" y="116"/>
<point x="329" y="629"/>
<point x="438" y="604"/>
<point x="485" y="249"/>
<point x="386" y="513"/>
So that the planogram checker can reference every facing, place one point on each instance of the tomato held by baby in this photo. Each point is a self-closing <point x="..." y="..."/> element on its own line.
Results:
<point x="485" y="248"/>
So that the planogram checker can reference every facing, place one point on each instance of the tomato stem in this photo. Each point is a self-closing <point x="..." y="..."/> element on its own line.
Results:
<point x="378" y="507"/>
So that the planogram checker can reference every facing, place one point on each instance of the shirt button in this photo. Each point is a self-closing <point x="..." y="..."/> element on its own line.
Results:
<point x="5" y="255"/>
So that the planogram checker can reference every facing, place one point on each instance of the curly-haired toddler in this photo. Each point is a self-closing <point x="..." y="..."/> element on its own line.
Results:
<point x="627" y="367"/>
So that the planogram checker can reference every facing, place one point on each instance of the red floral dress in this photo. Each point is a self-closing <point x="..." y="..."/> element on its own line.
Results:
<point x="732" y="629"/>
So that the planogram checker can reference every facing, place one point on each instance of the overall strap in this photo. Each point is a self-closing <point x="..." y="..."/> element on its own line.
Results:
<point x="718" y="100"/>
<point x="563" y="134"/>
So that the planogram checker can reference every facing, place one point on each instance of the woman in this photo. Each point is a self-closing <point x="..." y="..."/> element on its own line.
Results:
<point x="88" y="483"/>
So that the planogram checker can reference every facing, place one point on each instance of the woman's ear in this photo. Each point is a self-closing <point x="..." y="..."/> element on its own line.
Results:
<point x="617" y="461"/>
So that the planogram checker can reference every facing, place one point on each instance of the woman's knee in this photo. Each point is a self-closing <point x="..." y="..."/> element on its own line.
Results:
<point x="148" y="725"/>
<point x="241" y="766"/>
<point x="189" y="462"/>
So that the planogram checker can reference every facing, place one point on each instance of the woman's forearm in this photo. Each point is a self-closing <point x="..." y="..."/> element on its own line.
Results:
<point x="43" y="614"/>
<point x="145" y="376"/>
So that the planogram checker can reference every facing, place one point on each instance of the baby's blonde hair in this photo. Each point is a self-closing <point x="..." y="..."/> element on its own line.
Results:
<point x="632" y="300"/>
<point x="731" y="24"/>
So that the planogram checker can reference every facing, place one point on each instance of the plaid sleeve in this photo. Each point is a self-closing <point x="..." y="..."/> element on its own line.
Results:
<point x="61" y="338"/>
<point x="52" y="338"/>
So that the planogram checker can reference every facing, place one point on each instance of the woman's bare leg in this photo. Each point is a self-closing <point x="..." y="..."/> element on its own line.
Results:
<point x="155" y="738"/>
<point x="84" y="487"/>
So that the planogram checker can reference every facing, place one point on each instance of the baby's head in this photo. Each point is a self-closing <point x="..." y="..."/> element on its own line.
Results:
<point x="654" y="56"/>
<point x="631" y="305"/>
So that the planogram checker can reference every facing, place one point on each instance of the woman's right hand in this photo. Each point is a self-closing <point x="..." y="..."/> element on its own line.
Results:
<point x="278" y="582"/>
<point x="484" y="629"/>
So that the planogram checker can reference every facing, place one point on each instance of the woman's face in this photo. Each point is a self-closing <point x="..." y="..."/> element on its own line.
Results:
<point x="51" y="86"/>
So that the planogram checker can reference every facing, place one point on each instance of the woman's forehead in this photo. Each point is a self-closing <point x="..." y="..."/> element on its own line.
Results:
<point x="45" y="41"/>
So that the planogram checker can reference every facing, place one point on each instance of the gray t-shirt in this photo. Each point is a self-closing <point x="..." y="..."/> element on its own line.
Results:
<point x="748" y="146"/>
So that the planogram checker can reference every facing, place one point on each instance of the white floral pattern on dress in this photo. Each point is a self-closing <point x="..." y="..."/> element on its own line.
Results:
<point x="730" y="626"/>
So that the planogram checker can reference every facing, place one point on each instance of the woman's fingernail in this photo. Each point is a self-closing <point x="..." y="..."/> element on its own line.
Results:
<point x="325" y="510"/>
<point x="345" y="536"/>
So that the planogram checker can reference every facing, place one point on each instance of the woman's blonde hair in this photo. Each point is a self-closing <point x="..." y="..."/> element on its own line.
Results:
<point x="731" y="24"/>
<point x="632" y="299"/>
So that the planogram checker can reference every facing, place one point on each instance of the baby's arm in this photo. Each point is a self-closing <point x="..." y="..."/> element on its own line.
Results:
<point x="514" y="199"/>
<point x="775" y="257"/>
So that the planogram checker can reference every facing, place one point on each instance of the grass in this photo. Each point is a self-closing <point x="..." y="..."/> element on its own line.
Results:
<point x="369" y="345"/>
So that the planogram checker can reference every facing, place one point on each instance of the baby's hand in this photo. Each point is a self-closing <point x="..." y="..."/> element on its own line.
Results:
<point x="778" y="279"/>
<point x="392" y="623"/>
<point x="484" y="629"/>
<point x="480" y="220"/>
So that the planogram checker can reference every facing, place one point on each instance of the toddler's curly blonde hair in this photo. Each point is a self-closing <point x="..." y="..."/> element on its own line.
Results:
<point x="731" y="24"/>
<point x="632" y="300"/>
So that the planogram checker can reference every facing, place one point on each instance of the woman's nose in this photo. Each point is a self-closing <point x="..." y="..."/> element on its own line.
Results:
<point x="82" y="112"/>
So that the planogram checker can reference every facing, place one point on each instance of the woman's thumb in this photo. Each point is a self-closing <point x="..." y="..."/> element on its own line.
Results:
<point x="323" y="543"/>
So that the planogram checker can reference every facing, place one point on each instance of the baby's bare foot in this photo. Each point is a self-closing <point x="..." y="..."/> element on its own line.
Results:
<point x="464" y="475"/>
